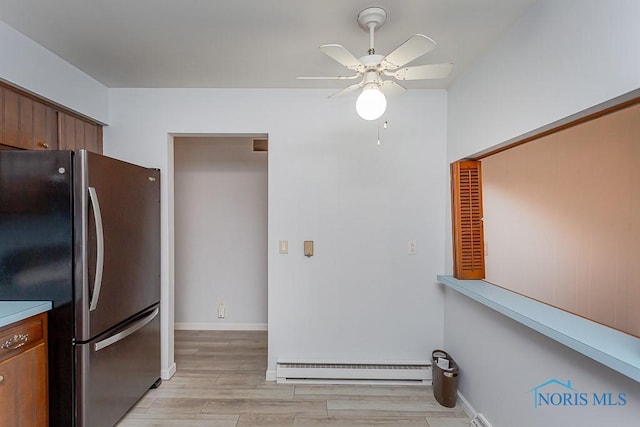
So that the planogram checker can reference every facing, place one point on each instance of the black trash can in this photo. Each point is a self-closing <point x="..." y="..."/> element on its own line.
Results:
<point x="445" y="378"/>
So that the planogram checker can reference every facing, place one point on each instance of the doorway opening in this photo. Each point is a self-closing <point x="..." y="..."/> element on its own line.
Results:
<point x="220" y="232"/>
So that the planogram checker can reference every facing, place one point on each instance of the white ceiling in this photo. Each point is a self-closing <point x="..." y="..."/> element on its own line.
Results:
<point x="248" y="43"/>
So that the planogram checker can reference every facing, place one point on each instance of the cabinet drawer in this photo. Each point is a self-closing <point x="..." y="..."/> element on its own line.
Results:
<point x="22" y="335"/>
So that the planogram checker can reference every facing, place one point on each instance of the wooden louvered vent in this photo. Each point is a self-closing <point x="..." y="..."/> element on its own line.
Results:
<point x="468" y="235"/>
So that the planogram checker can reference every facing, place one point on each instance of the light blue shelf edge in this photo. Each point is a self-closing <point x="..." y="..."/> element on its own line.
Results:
<point x="15" y="311"/>
<point x="612" y="348"/>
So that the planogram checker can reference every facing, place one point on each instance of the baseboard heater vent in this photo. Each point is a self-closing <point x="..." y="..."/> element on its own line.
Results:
<point x="292" y="371"/>
<point x="480" y="421"/>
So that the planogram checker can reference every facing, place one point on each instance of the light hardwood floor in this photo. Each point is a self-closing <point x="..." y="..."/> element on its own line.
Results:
<point x="220" y="382"/>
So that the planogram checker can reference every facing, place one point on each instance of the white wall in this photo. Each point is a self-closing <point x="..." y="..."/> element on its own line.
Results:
<point x="220" y="201"/>
<point x="501" y="360"/>
<point x="561" y="58"/>
<point x="361" y="296"/>
<point x="30" y="66"/>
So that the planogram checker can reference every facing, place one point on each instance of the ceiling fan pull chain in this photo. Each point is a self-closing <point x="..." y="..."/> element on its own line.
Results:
<point x="384" y="126"/>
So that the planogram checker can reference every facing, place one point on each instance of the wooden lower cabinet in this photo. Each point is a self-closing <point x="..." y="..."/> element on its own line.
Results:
<point x="23" y="373"/>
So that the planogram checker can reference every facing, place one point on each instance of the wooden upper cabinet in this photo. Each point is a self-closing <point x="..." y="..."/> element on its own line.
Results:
<point x="45" y="132"/>
<point x="30" y="124"/>
<point x="75" y="133"/>
<point x="10" y="118"/>
<point x="68" y="136"/>
<point x="93" y="137"/>
<point x="26" y="123"/>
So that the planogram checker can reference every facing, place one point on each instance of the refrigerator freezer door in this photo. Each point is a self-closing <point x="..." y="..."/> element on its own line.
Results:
<point x="118" y="240"/>
<point x="36" y="243"/>
<point x="36" y="254"/>
<point x="116" y="369"/>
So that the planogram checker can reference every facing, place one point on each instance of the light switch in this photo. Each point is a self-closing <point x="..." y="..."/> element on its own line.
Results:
<point x="284" y="246"/>
<point x="411" y="247"/>
<point x="308" y="248"/>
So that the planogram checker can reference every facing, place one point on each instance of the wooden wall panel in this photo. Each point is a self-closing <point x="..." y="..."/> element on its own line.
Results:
<point x="562" y="219"/>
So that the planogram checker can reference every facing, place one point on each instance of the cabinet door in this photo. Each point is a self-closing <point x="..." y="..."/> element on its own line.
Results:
<point x="45" y="132"/>
<point x="75" y="133"/>
<point x="23" y="389"/>
<point x="11" y="118"/>
<point x="8" y="392"/>
<point x="2" y="116"/>
<point x="93" y="137"/>
<point x="26" y="123"/>
<point x="68" y="136"/>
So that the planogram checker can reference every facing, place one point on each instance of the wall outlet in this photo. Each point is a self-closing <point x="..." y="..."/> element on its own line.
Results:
<point x="221" y="311"/>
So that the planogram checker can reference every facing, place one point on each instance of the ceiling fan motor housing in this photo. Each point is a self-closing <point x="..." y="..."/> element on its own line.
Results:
<point x="371" y="62"/>
<point x="371" y="78"/>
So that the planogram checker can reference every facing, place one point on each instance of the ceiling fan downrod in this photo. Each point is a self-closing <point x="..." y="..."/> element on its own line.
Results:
<point x="370" y="19"/>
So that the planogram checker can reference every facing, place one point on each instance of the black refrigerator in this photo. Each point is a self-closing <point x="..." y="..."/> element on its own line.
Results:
<point x="83" y="230"/>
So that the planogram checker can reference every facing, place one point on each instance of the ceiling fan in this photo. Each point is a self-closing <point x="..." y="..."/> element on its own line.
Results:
<point x="372" y="68"/>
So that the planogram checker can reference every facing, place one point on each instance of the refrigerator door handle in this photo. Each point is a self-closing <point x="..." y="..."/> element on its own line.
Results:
<point x="97" y="283"/>
<point x="130" y="330"/>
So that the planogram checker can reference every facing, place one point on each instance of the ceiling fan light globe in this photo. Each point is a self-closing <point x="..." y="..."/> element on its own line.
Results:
<point x="371" y="103"/>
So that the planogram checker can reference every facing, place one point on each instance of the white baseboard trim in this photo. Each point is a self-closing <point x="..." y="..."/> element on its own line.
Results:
<point x="166" y="374"/>
<point x="466" y="406"/>
<point x="221" y="327"/>
<point x="270" y="375"/>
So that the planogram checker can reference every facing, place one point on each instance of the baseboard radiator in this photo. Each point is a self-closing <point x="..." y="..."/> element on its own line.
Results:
<point x="480" y="421"/>
<point x="332" y="372"/>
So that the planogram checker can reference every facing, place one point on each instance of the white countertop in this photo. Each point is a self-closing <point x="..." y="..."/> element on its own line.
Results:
<point x="15" y="311"/>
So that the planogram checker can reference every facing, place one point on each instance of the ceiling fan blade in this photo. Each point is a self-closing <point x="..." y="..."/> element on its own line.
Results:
<point x="422" y="72"/>
<point x="343" y="56"/>
<point x="329" y="78"/>
<point x="390" y="88"/>
<point x="347" y="90"/>
<point x="416" y="46"/>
